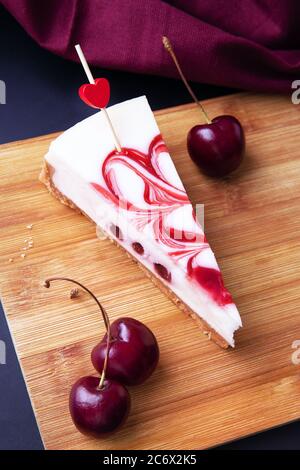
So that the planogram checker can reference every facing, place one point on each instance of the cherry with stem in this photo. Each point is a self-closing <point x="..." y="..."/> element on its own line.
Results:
<point x="97" y="407"/>
<point x="218" y="146"/>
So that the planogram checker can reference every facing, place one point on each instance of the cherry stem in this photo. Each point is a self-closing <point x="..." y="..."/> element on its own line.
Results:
<point x="103" y="313"/>
<point x="169" y="48"/>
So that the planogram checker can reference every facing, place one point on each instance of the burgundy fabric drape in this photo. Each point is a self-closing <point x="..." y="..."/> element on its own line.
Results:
<point x="249" y="44"/>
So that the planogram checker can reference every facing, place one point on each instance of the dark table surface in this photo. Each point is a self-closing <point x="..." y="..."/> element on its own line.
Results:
<point x="41" y="97"/>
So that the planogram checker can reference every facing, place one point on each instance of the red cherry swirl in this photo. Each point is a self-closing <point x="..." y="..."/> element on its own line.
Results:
<point x="160" y="199"/>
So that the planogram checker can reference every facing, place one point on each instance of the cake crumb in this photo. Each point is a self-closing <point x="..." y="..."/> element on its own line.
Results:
<point x="29" y="226"/>
<point x="23" y="255"/>
<point x="207" y="333"/>
<point x="10" y="260"/>
<point x="28" y="244"/>
<point x="74" y="293"/>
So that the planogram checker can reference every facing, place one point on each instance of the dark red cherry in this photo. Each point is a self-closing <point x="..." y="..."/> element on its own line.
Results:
<point x="133" y="352"/>
<point x="98" y="411"/>
<point x="116" y="231"/>
<point x="138" y="248"/>
<point x="163" y="272"/>
<point x="218" y="147"/>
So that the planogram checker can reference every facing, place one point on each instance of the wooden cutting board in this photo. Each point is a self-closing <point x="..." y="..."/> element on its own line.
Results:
<point x="200" y="396"/>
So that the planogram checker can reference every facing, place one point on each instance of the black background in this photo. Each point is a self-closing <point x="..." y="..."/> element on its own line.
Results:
<point x="41" y="94"/>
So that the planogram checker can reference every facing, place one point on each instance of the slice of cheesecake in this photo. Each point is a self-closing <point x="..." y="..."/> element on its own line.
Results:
<point x="137" y="198"/>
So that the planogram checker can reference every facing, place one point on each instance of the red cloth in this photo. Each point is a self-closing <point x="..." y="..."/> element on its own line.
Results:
<point x="249" y="44"/>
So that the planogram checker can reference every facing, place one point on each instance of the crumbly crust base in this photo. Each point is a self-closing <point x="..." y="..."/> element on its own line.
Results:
<point x="46" y="178"/>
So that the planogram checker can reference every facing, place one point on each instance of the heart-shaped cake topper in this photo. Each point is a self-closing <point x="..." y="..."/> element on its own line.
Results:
<point x="95" y="94"/>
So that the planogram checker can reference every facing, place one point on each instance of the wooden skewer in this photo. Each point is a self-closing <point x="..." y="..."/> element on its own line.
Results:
<point x="90" y="77"/>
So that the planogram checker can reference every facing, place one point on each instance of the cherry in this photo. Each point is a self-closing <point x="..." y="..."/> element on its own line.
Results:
<point x="116" y="231"/>
<point x="133" y="352"/>
<point x="98" y="411"/>
<point x="217" y="147"/>
<point x="138" y="248"/>
<point x="163" y="272"/>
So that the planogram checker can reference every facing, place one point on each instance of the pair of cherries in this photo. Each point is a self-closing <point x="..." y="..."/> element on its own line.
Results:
<point x="127" y="355"/>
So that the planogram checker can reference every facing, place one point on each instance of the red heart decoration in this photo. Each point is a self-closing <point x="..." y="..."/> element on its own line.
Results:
<point x="95" y="94"/>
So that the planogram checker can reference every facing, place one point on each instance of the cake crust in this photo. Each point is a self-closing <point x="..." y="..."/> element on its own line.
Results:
<point x="46" y="178"/>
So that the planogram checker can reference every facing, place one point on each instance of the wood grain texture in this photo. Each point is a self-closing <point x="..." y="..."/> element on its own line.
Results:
<point x="200" y="395"/>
